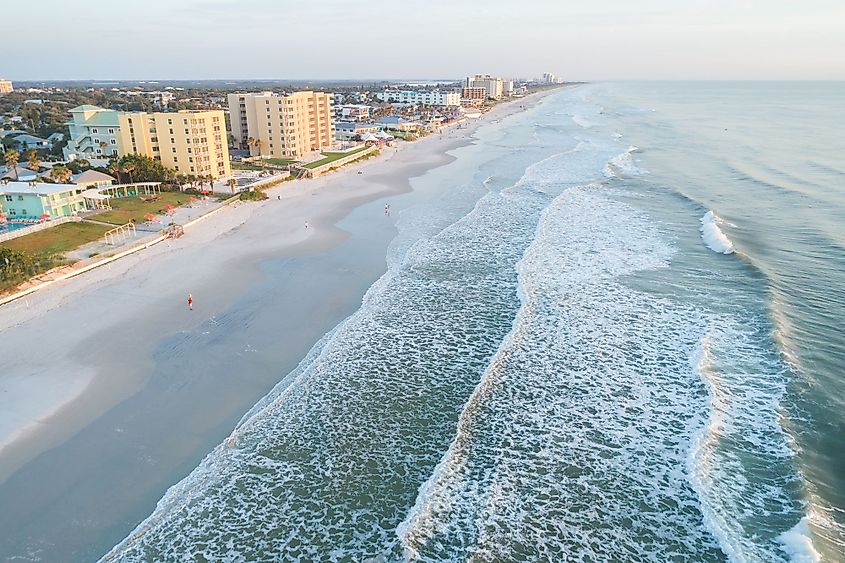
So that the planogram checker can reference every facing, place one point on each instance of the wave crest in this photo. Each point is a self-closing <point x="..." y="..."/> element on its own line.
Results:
<point x="712" y="235"/>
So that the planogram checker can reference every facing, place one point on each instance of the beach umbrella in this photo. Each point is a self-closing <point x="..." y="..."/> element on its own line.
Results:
<point x="44" y="216"/>
<point x="149" y="216"/>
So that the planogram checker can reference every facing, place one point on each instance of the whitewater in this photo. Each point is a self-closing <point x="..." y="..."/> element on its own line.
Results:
<point x="553" y="367"/>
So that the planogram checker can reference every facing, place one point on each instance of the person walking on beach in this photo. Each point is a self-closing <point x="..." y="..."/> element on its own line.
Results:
<point x="306" y="224"/>
<point x="387" y="209"/>
<point x="190" y="302"/>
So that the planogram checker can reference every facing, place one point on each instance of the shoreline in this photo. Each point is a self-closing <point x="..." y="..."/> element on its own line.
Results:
<point x="242" y="241"/>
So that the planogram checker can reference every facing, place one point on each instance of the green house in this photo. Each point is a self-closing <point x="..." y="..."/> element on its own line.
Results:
<point x="31" y="200"/>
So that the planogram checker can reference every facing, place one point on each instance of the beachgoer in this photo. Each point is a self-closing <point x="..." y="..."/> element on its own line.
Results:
<point x="279" y="197"/>
<point x="190" y="302"/>
<point x="387" y="210"/>
<point x="306" y="224"/>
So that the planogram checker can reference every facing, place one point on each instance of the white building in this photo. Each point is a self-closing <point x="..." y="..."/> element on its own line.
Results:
<point x="426" y="97"/>
<point x="353" y="112"/>
<point x="493" y="84"/>
<point x="549" y="78"/>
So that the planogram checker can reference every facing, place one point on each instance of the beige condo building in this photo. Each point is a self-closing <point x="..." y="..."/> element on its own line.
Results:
<point x="189" y="142"/>
<point x="6" y="86"/>
<point x="284" y="126"/>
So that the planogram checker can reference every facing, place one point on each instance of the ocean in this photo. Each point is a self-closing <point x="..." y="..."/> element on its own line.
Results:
<point x="611" y="333"/>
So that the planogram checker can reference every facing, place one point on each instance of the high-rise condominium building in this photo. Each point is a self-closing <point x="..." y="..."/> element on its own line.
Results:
<point x="189" y="142"/>
<point x="5" y="86"/>
<point x="492" y="84"/>
<point x="282" y="126"/>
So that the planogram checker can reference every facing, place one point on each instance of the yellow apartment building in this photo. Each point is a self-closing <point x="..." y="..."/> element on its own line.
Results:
<point x="189" y="142"/>
<point x="284" y="126"/>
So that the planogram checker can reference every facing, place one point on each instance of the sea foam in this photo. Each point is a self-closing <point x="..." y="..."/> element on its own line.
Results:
<point x="582" y="121"/>
<point x="623" y="165"/>
<point x="799" y="544"/>
<point x="712" y="235"/>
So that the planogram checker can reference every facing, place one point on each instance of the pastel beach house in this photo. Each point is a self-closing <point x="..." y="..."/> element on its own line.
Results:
<point x="94" y="133"/>
<point x="31" y="200"/>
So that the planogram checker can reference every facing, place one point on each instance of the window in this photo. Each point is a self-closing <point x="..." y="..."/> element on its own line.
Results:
<point x="8" y="198"/>
<point x="175" y="159"/>
<point x="111" y="131"/>
<point x="113" y="142"/>
<point x="23" y="212"/>
<point x="190" y="159"/>
<point x="189" y="149"/>
<point x="171" y="131"/>
<point x="94" y="130"/>
<point x="185" y="121"/>
<point x="177" y="169"/>
<point x="173" y="149"/>
<point x="186" y="132"/>
<point x="170" y="122"/>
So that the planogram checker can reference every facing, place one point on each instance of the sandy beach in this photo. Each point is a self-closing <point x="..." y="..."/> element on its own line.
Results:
<point x="112" y="390"/>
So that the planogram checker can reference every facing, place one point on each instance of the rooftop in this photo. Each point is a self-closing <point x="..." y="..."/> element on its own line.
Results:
<point x="90" y="176"/>
<point x="40" y="188"/>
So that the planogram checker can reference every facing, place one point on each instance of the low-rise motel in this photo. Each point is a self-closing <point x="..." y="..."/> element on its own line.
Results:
<point x="39" y="200"/>
<point x="189" y="142"/>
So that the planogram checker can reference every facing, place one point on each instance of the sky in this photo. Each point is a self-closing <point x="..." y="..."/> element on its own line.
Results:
<point x="424" y="39"/>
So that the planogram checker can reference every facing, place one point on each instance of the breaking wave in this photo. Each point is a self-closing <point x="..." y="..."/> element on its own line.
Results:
<point x="712" y="235"/>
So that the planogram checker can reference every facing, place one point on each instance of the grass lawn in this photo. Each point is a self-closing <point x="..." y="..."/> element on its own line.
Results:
<point x="245" y="166"/>
<point x="279" y="161"/>
<point x="125" y="209"/>
<point x="331" y="157"/>
<point x="56" y="240"/>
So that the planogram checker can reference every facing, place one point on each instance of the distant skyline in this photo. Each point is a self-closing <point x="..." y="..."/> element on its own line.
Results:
<point x="381" y="39"/>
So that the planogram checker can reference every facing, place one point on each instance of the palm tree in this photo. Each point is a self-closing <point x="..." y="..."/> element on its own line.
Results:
<point x="60" y="174"/>
<point x="255" y="143"/>
<point x="129" y="168"/>
<point x="232" y="183"/>
<point x="32" y="161"/>
<point x="250" y="143"/>
<point x="114" y="170"/>
<point x="12" y="157"/>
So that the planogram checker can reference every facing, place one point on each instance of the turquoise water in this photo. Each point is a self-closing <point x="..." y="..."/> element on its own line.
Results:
<point x="614" y="338"/>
